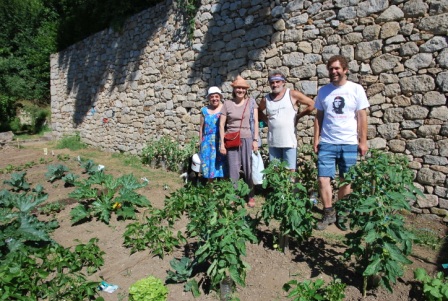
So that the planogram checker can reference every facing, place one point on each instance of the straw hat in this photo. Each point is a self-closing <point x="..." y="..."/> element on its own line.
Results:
<point x="240" y="82"/>
<point x="214" y="90"/>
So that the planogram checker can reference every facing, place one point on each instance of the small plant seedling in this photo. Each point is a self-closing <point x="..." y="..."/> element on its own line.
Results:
<point x="434" y="288"/>
<point x="50" y="208"/>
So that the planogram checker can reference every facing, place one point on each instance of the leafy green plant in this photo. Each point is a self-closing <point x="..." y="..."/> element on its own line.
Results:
<point x="56" y="172"/>
<point x="70" y="179"/>
<point x="183" y="268"/>
<point x="315" y="290"/>
<point x="169" y="153"/>
<point x="18" y="182"/>
<point x="382" y="185"/>
<point x="31" y="263"/>
<point x="427" y="237"/>
<point x="148" y="289"/>
<point x="307" y="168"/>
<point x="63" y="157"/>
<point x="434" y="288"/>
<point x="50" y="208"/>
<point x="189" y="8"/>
<point x="89" y="167"/>
<point x="218" y="220"/>
<point x="304" y="291"/>
<point x="89" y="255"/>
<point x="287" y="202"/>
<point x="153" y="234"/>
<point x="102" y="194"/>
<point x="72" y="142"/>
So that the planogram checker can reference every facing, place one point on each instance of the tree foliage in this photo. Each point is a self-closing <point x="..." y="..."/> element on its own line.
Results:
<point x="33" y="29"/>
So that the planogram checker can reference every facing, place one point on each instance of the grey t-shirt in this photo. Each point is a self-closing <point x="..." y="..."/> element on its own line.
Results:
<point x="234" y="113"/>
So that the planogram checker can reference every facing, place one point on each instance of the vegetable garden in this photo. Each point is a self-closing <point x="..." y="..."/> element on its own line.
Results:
<point x="66" y="225"/>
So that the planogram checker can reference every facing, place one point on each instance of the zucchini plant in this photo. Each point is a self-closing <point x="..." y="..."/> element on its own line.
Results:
<point x="32" y="265"/>
<point x="101" y="195"/>
<point x="287" y="202"/>
<point x="382" y="187"/>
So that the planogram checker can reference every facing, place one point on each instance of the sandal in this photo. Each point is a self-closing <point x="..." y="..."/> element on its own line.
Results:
<point x="251" y="203"/>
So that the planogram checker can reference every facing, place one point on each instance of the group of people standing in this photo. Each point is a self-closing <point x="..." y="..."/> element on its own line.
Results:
<point x="340" y="130"/>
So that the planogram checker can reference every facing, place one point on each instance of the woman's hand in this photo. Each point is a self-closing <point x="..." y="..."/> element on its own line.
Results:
<point x="222" y="150"/>
<point x="255" y="146"/>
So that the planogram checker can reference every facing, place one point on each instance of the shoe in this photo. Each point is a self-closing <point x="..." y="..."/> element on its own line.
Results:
<point x="328" y="219"/>
<point x="251" y="203"/>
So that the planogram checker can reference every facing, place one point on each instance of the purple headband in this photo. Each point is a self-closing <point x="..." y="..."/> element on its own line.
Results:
<point x="277" y="77"/>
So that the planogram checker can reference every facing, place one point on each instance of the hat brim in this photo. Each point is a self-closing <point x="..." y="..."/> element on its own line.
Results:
<point x="214" y="93"/>
<point x="240" y="86"/>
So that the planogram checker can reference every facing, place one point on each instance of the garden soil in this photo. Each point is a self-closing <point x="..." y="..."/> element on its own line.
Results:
<point x="319" y="257"/>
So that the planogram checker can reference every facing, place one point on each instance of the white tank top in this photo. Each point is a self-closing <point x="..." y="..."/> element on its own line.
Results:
<point x="281" y="122"/>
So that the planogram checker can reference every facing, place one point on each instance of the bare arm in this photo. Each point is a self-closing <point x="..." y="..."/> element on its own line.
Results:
<point x="201" y="129"/>
<point x="222" y="124"/>
<point x="362" y="132"/>
<point x="255" y="137"/>
<point x="301" y="99"/>
<point x="317" y="129"/>
<point x="261" y="107"/>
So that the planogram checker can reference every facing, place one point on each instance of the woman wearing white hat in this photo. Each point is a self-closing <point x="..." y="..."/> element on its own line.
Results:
<point x="213" y="163"/>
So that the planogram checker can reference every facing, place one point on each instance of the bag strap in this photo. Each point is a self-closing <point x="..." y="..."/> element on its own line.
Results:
<point x="242" y="117"/>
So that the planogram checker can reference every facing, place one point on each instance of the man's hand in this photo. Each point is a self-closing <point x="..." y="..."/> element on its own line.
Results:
<point x="363" y="148"/>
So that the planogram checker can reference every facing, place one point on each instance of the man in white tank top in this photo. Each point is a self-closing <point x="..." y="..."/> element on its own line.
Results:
<point x="282" y="114"/>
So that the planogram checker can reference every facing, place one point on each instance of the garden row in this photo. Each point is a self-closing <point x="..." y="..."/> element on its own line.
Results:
<point x="218" y="229"/>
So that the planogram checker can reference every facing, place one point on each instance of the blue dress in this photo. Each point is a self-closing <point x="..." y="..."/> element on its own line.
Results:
<point x="213" y="163"/>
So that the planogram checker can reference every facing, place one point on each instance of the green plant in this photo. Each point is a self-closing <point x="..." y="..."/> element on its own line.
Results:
<point x="183" y="268"/>
<point x="50" y="208"/>
<point x="307" y="168"/>
<point x="304" y="291"/>
<point x="72" y="142"/>
<point x="70" y="179"/>
<point x="148" y="289"/>
<point x="434" y="288"/>
<point x="63" y="157"/>
<point x="218" y="220"/>
<point x="287" y="202"/>
<point x="102" y="194"/>
<point x="18" y="182"/>
<point x="382" y="185"/>
<point x="89" y="167"/>
<point x="427" y="237"/>
<point x="189" y="9"/>
<point x="315" y="290"/>
<point x="169" y="152"/>
<point x="55" y="172"/>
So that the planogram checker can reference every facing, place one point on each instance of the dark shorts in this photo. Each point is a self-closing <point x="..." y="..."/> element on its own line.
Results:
<point x="330" y="155"/>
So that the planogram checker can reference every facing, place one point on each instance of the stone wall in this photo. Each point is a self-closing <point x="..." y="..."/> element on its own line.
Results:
<point x="122" y="89"/>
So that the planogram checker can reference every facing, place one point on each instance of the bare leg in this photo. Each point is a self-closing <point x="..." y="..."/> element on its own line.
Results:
<point x="343" y="190"/>
<point x="325" y="191"/>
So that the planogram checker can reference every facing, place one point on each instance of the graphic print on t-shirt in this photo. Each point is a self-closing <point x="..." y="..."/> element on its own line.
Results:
<point x="338" y="105"/>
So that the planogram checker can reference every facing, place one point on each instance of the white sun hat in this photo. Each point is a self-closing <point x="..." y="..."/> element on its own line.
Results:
<point x="214" y="90"/>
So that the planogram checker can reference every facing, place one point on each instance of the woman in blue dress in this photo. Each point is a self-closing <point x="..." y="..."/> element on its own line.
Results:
<point x="213" y="163"/>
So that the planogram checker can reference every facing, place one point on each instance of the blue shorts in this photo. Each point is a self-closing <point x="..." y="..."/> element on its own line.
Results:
<point x="288" y="155"/>
<point x="330" y="155"/>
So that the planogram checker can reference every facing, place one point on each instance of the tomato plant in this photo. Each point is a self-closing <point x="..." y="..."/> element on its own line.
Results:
<point x="287" y="201"/>
<point x="382" y="185"/>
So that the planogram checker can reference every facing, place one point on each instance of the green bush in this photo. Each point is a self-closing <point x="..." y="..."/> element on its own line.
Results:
<point x="148" y="289"/>
<point x="72" y="142"/>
